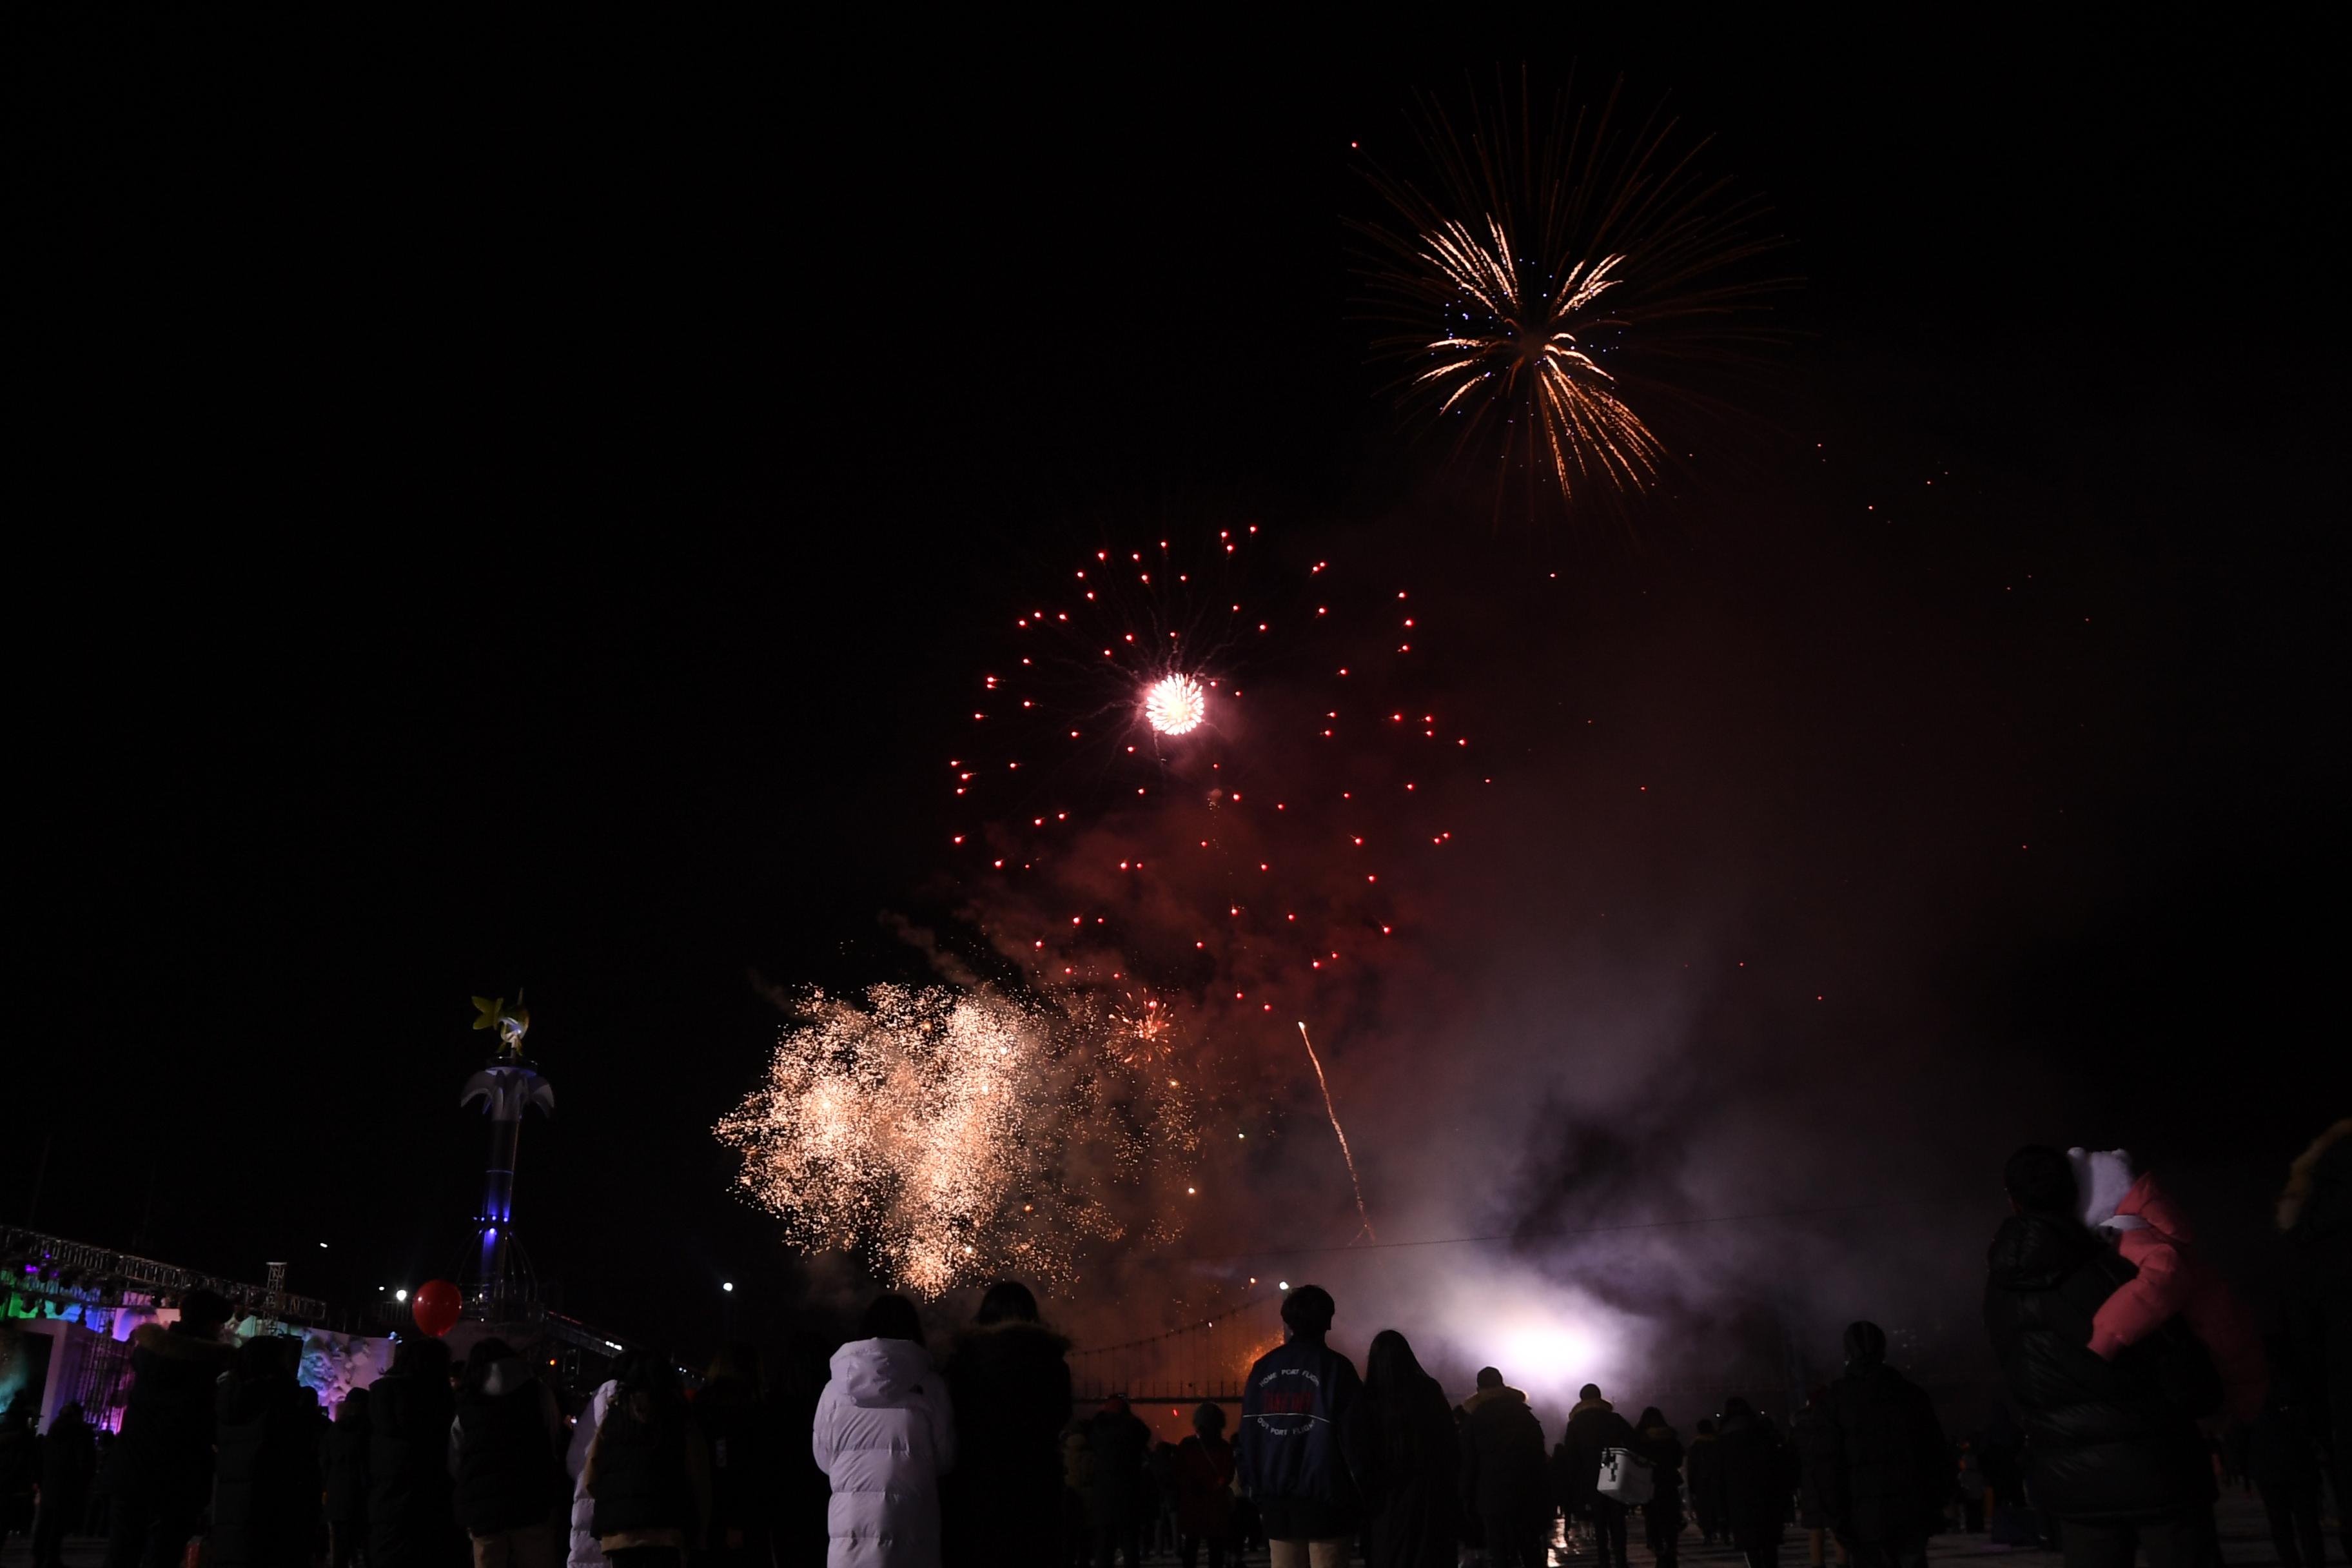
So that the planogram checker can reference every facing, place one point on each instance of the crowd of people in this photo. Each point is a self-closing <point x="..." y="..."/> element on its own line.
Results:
<point x="2122" y="1351"/>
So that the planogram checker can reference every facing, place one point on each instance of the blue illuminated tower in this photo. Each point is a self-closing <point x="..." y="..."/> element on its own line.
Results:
<point x="496" y="1278"/>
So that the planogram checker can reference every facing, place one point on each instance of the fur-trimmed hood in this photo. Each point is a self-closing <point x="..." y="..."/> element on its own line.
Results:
<point x="1484" y="1396"/>
<point x="2315" y="1199"/>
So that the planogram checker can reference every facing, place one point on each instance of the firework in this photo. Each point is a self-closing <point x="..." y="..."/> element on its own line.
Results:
<point x="908" y="1129"/>
<point x="1341" y="1132"/>
<point x="1248" y="870"/>
<point x="1175" y="704"/>
<point x="1261" y="869"/>
<point x="1550" y="290"/>
<point x="1520" y="350"/>
<point x="1143" y="909"/>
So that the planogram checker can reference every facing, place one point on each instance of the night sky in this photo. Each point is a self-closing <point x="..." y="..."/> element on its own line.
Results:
<point x="498" y="512"/>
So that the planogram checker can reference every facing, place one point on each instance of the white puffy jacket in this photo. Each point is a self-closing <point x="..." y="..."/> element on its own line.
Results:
<point x="586" y="1553"/>
<point x="885" y="1434"/>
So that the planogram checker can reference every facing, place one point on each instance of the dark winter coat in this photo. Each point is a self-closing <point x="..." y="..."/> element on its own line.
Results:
<point x="650" y="1468"/>
<point x="738" y="1435"/>
<point x="1593" y="1427"/>
<point x="800" y="1496"/>
<point x="163" y="1459"/>
<point x="1760" y="1471"/>
<point x="510" y="1473"/>
<point x="1890" y="1471"/>
<point x="412" y="1515"/>
<point x="2102" y="1444"/>
<point x="1001" y="1504"/>
<point x="1405" y="1457"/>
<point x="69" y="1465"/>
<point x="20" y="1464"/>
<point x="2318" y="1301"/>
<point x="347" y="1467"/>
<point x="1813" y="1434"/>
<point x="1662" y="1452"/>
<point x="1120" y="1443"/>
<point x="2280" y="1454"/>
<point x="265" y="1490"/>
<point x="1703" y="1469"/>
<point x="1295" y="1408"/>
<point x="1203" y="1472"/>
<point x="1503" y="1481"/>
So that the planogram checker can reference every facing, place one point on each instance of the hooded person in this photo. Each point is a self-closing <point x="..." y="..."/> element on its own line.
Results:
<point x="1405" y="1456"/>
<point x="2314" y="1214"/>
<point x="1657" y="1444"/>
<point x="412" y="1506"/>
<point x="161" y="1472"/>
<point x="1010" y="1382"/>
<point x="1890" y="1470"/>
<point x="266" y="1481"/>
<point x="1760" y="1471"/>
<point x="1594" y="1428"/>
<point x="506" y="1445"/>
<point x="1288" y="1457"/>
<point x="1504" y="1488"/>
<point x="2172" y="1277"/>
<point x="2110" y="1450"/>
<point x="885" y="1434"/>
<point x="69" y="1464"/>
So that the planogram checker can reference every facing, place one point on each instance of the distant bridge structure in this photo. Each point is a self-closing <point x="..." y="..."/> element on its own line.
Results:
<point x="1208" y="1359"/>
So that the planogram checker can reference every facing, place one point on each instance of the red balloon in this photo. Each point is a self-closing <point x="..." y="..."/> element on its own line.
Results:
<point x="437" y="1307"/>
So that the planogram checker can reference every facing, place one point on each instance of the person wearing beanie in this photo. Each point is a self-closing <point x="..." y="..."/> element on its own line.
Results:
<point x="1288" y="1455"/>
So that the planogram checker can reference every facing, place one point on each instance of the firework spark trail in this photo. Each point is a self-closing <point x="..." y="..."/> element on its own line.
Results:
<point x="1332" y="1112"/>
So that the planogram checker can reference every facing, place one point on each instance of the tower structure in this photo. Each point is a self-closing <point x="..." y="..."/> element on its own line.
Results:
<point x="496" y="1277"/>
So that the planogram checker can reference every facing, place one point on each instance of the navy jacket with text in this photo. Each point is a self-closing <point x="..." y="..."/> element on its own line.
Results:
<point x="1288" y="1446"/>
